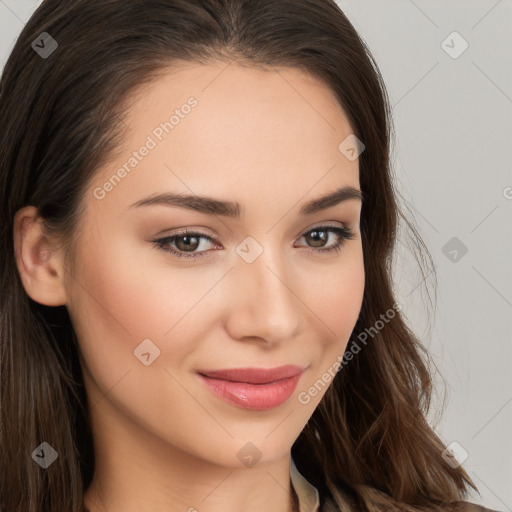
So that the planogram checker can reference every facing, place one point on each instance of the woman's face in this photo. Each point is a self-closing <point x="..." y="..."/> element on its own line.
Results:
<point x="260" y="294"/>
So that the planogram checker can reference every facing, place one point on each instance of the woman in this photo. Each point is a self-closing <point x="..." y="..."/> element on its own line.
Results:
<point x="197" y="222"/>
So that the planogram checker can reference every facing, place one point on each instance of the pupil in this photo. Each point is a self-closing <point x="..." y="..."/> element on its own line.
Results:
<point x="317" y="237"/>
<point x="186" y="240"/>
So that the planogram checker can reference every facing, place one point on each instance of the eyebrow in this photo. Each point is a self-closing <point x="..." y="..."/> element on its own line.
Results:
<point x="231" y="209"/>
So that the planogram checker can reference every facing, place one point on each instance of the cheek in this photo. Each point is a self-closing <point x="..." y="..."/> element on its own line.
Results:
<point x="336" y="305"/>
<point x="125" y="293"/>
<point x="120" y="299"/>
<point x="335" y="296"/>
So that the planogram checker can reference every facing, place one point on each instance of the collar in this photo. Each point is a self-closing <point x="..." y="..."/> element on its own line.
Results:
<point x="309" y="500"/>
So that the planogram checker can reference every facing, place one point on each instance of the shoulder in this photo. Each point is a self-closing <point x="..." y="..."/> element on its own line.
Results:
<point x="466" y="506"/>
<point x="349" y="505"/>
<point x="341" y="499"/>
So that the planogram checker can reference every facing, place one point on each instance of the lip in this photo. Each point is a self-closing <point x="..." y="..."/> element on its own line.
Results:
<point x="254" y="388"/>
<point x="254" y="375"/>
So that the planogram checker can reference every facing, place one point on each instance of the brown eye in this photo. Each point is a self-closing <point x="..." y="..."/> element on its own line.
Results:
<point x="318" y="237"/>
<point x="185" y="242"/>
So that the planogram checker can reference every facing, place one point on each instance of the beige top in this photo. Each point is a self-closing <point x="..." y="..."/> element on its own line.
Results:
<point x="309" y="500"/>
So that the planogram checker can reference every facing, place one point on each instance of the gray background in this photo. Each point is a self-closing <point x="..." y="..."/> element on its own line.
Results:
<point x="452" y="160"/>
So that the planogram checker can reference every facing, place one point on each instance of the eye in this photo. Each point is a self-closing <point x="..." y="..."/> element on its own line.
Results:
<point x="185" y="241"/>
<point x="319" y="235"/>
<point x="189" y="241"/>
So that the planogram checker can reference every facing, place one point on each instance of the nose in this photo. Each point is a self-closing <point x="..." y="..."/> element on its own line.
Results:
<point x="262" y="301"/>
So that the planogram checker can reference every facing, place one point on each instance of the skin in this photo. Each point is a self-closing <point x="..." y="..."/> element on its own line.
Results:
<point x="269" y="140"/>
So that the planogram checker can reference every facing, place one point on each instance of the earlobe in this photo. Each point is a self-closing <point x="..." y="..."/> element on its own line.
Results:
<point x="39" y="264"/>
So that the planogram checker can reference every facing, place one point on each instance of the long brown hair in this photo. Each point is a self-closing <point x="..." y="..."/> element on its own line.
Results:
<point x="61" y="118"/>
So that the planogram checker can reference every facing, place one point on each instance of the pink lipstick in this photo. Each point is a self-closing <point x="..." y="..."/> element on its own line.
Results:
<point x="254" y="388"/>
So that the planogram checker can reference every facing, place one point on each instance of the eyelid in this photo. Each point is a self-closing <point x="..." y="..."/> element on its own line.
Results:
<point x="208" y="234"/>
<point x="344" y="233"/>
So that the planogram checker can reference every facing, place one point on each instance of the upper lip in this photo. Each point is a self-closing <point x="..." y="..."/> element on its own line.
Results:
<point x="254" y="375"/>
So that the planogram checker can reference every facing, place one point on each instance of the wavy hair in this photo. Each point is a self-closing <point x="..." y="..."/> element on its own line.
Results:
<point x="62" y="118"/>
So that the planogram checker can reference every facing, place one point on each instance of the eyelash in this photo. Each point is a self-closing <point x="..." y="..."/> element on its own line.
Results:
<point x="344" y="233"/>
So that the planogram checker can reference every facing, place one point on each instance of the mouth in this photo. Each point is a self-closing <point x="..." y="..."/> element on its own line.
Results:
<point x="253" y="388"/>
<point x="254" y="375"/>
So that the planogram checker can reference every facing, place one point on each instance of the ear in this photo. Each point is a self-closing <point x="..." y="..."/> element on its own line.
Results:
<point x="40" y="265"/>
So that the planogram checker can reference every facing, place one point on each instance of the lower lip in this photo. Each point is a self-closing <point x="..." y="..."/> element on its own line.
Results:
<point x="257" y="397"/>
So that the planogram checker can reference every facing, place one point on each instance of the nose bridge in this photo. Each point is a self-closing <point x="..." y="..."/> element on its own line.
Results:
<point x="265" y="304"/>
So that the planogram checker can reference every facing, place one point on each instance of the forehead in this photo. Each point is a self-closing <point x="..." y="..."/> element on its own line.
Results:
<point x="240" y="96"/>
<point x="229" y="130"/>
